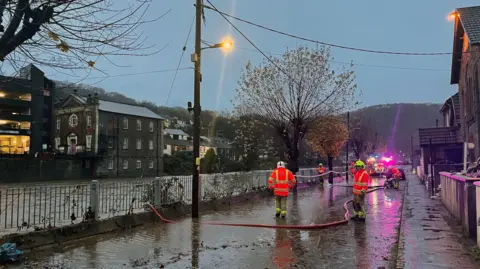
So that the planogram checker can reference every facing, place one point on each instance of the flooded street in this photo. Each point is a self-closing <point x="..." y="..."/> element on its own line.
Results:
<point x="191" y="245"/>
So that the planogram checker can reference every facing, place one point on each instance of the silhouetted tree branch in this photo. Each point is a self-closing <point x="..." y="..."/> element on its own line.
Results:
<point x="71" y="34"/>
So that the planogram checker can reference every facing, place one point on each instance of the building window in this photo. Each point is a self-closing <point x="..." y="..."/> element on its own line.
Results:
<point x="139" y="164"/>
<point x="88" y="141"/>
<point x="89" y="121"/>
<point x="125" y="123"/>
<point x="57" y="142"/>
<point x="58" y="124"/>
<point x="150" y="144"/>
<point x="73" y="120"/>
<point x="125" y="143"/>
<point x="125" y="164"/>
<point x="110" y="142"/>
<point x="150" y="164"/>
<point x="139" y="143"/>
<point x="110" y="164"/>
<point x="150" y="126"/>
<point x="165" y="146"/>
<point x="139" y="125"/>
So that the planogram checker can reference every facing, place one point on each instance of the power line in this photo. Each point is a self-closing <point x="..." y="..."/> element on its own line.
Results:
<point x="360" y="64"/>
<point x="142" y="73"/>
<point x="326" y="43"/>
<point x="263" y="53"/>
<point x="180" y="61"/>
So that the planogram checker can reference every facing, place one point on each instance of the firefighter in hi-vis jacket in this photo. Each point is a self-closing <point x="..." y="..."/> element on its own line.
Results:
<point x="360" y="187"/>
<point x="281" y="180"/>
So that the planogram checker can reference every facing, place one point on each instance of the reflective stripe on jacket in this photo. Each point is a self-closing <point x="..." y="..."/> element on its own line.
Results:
<point x="280" y="181"/>
<point x="360" y="183"/>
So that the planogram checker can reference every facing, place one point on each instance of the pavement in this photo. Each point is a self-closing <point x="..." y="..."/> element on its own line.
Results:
<point x="430" y="237"/>
<point x="364" y="245"/>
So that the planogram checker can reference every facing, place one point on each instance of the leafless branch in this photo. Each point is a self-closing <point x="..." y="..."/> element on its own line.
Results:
<point x="72" y="34"/>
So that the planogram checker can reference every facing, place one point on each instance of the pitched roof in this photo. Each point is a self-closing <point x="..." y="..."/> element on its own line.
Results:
<point x="439" y="136"/>
<point x="121" y="108"/>
<point x="470" y="19"/>
<point x="454" y="102"/>
<point x="175" y="132"/>
<point x="133" y="110"/>
<point x="466" y="23"/>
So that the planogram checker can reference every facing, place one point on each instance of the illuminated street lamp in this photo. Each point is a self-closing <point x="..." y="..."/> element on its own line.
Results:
<point x="225" y="45"/>
<point x="452" y="16"/>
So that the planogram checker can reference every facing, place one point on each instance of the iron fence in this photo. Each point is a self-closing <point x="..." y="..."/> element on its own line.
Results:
<point x="36" y="207"/>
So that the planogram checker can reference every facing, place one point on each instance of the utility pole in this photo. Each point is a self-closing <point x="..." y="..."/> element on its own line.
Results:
<point x="348" y="142"/>
<point x="196" y="109"/>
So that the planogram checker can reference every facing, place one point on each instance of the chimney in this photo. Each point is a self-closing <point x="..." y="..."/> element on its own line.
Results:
<point x="96" y="99"/>
<point x="89" y="99"/>
<point x="75" y="91"/>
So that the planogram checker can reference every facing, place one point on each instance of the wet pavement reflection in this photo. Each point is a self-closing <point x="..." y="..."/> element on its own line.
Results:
<point x="188" y="244"/>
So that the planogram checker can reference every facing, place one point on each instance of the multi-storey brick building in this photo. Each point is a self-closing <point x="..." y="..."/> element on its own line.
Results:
<point x="113" y="139"/>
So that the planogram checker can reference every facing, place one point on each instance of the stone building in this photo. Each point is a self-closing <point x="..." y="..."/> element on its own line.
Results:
<point x="113" y="139"/>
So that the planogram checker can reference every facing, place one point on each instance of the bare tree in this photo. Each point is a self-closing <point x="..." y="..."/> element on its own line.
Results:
<point x="290" y="92"/>
<point x="70" y="34"/>
<point x="363" y="138"/>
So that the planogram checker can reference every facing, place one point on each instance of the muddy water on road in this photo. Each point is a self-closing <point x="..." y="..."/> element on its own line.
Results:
<point x="189" y="245"/>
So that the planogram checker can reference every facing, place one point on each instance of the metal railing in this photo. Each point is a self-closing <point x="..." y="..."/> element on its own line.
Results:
<point x="37" y="207"/>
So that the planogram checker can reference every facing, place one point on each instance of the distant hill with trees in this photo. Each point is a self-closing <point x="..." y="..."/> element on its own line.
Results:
<point x="397" y="123"/>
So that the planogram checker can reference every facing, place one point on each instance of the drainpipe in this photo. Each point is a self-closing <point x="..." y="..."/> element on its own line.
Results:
<point x="465" y="148"/>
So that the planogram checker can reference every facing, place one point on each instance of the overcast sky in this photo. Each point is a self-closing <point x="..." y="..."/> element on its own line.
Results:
<point x="406" y="26"/>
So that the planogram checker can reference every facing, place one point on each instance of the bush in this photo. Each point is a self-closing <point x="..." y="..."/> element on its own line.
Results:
<point x="177" y="164"/>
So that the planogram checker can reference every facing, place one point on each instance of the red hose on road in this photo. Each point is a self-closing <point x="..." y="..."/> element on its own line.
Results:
<point x="272" y="226"/>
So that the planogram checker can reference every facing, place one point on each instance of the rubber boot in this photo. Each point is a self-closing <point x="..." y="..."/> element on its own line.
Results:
<point x="362" y="215"/>
<point x="355" y="215"/>
<point x="277" y="214"/>
<point x="284" y="214"/>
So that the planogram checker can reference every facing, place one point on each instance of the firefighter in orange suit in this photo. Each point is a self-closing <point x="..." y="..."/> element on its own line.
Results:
<point x="281" y="180"/>
<point x="360" y="187"/>
<point x="321" y="169"/>
<point x="396" y="177"/>
<point x="283" y="255"/>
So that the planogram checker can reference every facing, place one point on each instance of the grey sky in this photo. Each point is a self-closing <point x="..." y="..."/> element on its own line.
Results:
<point x="409" y="26"/>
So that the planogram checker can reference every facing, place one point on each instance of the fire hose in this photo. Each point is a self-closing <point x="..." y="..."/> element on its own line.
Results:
<point x="272" y="226"/>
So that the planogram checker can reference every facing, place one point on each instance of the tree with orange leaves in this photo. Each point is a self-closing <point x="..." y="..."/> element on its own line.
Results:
<point x="327" y="137"/>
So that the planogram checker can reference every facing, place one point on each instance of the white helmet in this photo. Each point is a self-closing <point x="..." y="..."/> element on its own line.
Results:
<point x="280" y="164"/>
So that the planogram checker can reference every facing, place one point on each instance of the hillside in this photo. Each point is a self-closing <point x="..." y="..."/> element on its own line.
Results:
<point x="396" y="123"/>
<point x="410" y="116"/>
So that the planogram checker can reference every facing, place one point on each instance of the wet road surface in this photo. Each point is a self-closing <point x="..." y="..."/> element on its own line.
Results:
<point x="430" y="237"/>
<point x="186" y="244"/>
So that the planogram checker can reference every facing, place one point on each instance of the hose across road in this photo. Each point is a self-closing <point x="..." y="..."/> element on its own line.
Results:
<point x="272" y="226"/>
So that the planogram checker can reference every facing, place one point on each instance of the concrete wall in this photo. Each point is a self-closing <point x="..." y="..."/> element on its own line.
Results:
<point x="477" y="187"/>
<point x="459" y="196"/>
<point x="25" y="169"/>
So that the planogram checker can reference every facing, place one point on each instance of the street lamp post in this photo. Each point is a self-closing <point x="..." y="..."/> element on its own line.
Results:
<point x="226" y="44"/>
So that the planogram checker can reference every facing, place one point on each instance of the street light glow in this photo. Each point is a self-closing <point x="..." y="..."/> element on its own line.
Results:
<point x="452" y="16"/>
<point x="226" y="44"/>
